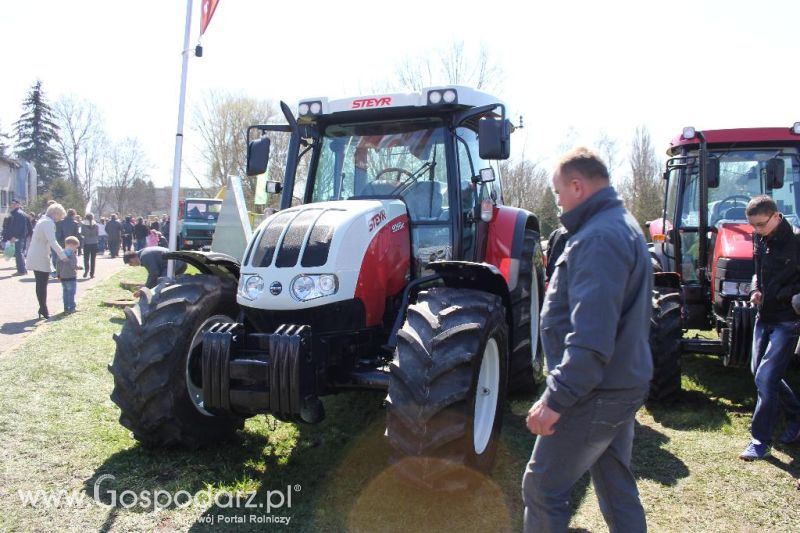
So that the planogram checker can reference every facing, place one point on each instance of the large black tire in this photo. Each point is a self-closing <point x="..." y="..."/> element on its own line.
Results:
<point x="526" y="370"/>
<point x="665" y="344"/>
<point x="150" y="363"/>
<point x="433" y="386"/>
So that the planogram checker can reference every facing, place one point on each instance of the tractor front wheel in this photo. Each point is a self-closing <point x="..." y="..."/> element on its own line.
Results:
<point x="447" y="388"/>
<point x="157" y="370"/>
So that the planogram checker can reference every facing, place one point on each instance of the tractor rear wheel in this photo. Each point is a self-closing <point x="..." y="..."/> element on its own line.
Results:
<point x="155" y="366"/>
<point x="447" y="388"/>
<point x="526" y="370"/>
<point x="665" y="344"/>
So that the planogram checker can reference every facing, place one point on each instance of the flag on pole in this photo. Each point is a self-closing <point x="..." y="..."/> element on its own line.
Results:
<point x="206" y="12"/>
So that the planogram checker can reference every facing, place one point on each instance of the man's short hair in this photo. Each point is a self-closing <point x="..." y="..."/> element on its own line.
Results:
<point x="584" y="162"/>
<point x="72" y="240"/>
<point x="761" y="205"/>
<point x="126" y="257"/>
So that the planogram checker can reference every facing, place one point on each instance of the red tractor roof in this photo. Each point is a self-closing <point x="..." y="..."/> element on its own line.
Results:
<point x="743" y="136"/>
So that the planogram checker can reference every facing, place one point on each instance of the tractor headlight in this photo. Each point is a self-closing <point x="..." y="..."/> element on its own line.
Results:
<point x="303" y="109"/>
<point x="251" y="287"/>
<point x="735" y="288"/>
<point x="310" y="286"/>
<point x="449" y="96"/>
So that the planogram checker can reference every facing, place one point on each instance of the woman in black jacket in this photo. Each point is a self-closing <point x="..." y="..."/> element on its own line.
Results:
<point x="140" y="233"/>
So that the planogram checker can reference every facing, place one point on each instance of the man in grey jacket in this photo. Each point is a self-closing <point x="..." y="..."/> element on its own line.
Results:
<point x="595" y="324"/>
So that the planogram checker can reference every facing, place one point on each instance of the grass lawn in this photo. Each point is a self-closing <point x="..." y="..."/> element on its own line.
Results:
<point x="60" y="432"/>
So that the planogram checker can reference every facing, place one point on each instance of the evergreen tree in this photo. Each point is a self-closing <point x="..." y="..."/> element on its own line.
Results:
<point x="548" y="213"/>
<point x="36" y="133"/>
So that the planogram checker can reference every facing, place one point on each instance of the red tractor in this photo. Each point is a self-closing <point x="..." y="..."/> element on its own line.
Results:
<point x="702" y="245"/>
<point x="392" y="265"/>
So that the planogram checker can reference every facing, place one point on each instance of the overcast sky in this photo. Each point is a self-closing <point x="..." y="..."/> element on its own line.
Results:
<point x="569" y="66"/>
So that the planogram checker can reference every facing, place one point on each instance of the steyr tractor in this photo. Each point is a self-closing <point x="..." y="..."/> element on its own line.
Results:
<point x="392" y="265"/>
<point x="702" y="245"/>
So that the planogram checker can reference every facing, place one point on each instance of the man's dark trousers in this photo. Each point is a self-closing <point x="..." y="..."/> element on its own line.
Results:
<point x="595" y="434"/>
<point x="19" y="256"/>
<point x="773" y="348"/>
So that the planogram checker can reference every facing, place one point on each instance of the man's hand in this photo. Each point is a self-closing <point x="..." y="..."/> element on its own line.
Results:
<point x="13" y="239"/>
<point x="756" y="297"/>
<point x="541" y="419"/>
<point x="137" y="293"/>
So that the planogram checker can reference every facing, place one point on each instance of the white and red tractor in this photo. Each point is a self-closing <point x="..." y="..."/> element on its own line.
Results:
<point x="392" y="265"/>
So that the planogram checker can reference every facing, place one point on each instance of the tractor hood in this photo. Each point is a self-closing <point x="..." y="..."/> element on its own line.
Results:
<point x="735" y="241"/>
<point x="364" y="244"/>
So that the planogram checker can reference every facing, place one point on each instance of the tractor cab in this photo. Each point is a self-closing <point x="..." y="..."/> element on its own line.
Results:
<point x="421" y="150"/>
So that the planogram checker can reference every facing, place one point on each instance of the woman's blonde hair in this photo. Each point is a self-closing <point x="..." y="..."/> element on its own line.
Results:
<point x="52" y="209"/>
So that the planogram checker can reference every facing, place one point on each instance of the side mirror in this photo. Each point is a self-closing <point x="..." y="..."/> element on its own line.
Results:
<point x="257" y="156"/>
<point x="712" y="172"/>
<point x="494" y="138"/>
<point x="775" y="172"/>
<point x="274" y="187"/>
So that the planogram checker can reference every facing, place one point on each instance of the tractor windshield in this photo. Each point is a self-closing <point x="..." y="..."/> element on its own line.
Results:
<point x="742" y="176"/>
<point x="381" y="158"/>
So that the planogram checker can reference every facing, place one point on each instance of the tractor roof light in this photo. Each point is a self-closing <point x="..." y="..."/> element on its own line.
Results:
<point x="689" y="133"/>
<point x="796" y="128"/>
<point x="309" y="108"/>
<point x="438" y="97"/>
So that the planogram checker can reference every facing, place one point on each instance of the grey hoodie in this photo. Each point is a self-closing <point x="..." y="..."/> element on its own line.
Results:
<point x="596" y="313"/>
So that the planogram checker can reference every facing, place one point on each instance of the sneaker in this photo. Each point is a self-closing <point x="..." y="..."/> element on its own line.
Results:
<point x="791" y="433"/>
<point x="754" y="451"/>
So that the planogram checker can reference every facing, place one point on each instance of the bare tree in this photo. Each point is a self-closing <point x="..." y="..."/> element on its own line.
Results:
<point x="608" y="148"/>
<point x="526" y="184"/>
<point x="222" y="122"/>
<point x="453" y="65"/>
<point x="642" y="189"/>
<point x="4" y="138"/>
<point x="80" y="136"/>
<point x="125" y="166"/>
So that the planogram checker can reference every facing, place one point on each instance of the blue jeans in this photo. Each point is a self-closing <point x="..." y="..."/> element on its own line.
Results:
<point x="102" y="244"/>
<point x="773" y="347"/>
<point x="68" y="287"/>
<point x="19" y="256"/>
<point x="595" y="434"/>
<point x="141" y="244"/>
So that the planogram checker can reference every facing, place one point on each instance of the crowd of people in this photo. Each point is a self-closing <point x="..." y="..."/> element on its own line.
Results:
<point x="49" y="243"/>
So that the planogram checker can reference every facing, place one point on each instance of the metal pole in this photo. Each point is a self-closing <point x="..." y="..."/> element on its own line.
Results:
<point x="176" y="171"/>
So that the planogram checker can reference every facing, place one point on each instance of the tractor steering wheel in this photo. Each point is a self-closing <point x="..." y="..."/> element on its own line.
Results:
<point x="397" y="170"/>
<point x="733" y="200"/>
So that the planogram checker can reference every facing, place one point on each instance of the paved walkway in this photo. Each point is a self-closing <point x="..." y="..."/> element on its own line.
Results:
<point x="18" y="303"/>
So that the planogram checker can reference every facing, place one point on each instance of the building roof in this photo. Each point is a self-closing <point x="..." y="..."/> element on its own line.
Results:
<point x="11" y="162"/>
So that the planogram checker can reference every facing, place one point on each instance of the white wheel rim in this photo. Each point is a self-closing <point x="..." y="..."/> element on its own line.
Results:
<point x="486" y="395"/>
<point x="534" y="317"/>
<point x="195" y="390"/>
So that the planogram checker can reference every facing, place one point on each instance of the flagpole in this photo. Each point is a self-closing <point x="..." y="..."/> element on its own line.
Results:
<point x="176" y="171"/>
